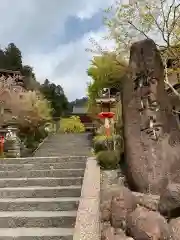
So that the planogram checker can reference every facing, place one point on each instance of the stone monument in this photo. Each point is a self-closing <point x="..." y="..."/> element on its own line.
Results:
<point x="151" y="135"/>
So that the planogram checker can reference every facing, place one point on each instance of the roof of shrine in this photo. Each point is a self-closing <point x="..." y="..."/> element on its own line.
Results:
<point x="9" y="71"/>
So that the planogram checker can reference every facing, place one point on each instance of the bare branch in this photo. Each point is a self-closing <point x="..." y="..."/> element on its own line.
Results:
<point x="175" y="20"/>
<point x="175" y="111"/>
<point x="163" y="14"/>
<point x="168" y="15"/>
<point x="142" y="32"/>
<point x="158" y="26"/>
<point x="166" y="80"/>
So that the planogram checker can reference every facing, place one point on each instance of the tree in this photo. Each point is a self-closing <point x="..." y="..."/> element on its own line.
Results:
<point x="30" y="82"/>
<point x="33" y="113"/>
<point x="34" y="108"/>
<point x="158" y="20"/>
<point x="105" y="71"/>
<point x="2" y="59"/>
<point x="13" y="58"/>
<point x="56" y="96"/>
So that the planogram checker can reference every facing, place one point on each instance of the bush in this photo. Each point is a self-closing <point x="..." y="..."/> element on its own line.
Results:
<point x="101" y="143"/>
<point x="71" y="125"/>
<point x="31" y="137"/>
<point x="108" y="159"/>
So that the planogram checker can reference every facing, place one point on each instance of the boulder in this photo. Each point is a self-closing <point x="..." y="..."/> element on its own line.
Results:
<point x="105" y="208"/>
<point x="148" y="201"/>
<point x="175" y="228"/>
<point x="108" y="193"/>
<point x="143" y="224"/>
<point x="107" y="232"/>
<point x="169" y="203"/>
<point x="122" y="238"/>
<point x="122" y="204"/>
<point x="119" y="232"/>
<point x="108" y="178"/>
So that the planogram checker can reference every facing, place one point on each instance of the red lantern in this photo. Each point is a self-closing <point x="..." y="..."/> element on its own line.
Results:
<point x="106" y="116"/>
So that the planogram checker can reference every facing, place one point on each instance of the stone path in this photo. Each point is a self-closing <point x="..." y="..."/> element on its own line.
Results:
<point x="39" y="196"/>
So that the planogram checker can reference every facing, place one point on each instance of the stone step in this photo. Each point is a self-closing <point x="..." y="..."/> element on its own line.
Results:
<point x="39" y="195"/>
<point x="43" y="173"/>
<point x="36" y="234"/>
<point x="45" y="159"/>
<point x="42" y="166"/>
<point x="39" y="219"/>
<point x="39" y="204"/>
<point x="49" y="182"/>
<point x="48" y="153"/>
<point x="40" y="192"/>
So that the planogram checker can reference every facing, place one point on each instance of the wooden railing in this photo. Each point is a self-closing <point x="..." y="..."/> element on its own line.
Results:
<point x="89" y="126"/>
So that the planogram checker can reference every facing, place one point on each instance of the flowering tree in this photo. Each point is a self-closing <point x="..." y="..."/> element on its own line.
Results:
<point x="34" y="108"/>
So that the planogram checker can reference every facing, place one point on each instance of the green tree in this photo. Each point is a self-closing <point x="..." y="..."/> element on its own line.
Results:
<point x="56" y="96"/>
<point x="105" y="71"/>
<point x="30" y="81"/>
<point x="13" y="58"/>
<point x="2" y="59"/>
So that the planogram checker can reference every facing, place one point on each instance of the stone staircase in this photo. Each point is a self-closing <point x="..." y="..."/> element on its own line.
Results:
<point x="39" y="196"/>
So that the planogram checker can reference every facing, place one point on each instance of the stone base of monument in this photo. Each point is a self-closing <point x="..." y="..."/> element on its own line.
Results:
<point x="129" y="215"/>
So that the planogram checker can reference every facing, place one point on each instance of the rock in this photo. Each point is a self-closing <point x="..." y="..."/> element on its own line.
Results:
<point x="147" y="200"/>
<point x="122" y="238"/>
<point x="122" y="181"/>
<point x="175" y="228"/>
<point x="123" y="203"/>
<point x="105" y="211"/>
<point x="108" y="232"/>
<point x="120" y="235"/>
<point x="169" y="203"/>
<point x="143" y="224"/>
<point x="120" y="232"/>
<point x="108" y="178"/>
<point x="108" y="193"/>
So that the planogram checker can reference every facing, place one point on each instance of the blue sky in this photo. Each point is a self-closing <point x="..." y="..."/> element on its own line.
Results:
<point x="53" y="36"/>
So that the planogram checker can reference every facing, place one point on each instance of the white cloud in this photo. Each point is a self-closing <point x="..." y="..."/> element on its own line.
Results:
<point x="68" y="63"/>
<point x="33" y="25"/>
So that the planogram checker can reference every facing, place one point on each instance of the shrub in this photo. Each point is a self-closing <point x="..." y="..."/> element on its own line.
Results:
<point x="101" y="143"/>
<point x="108" y="159"/>
<point x="71" y="125"/>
